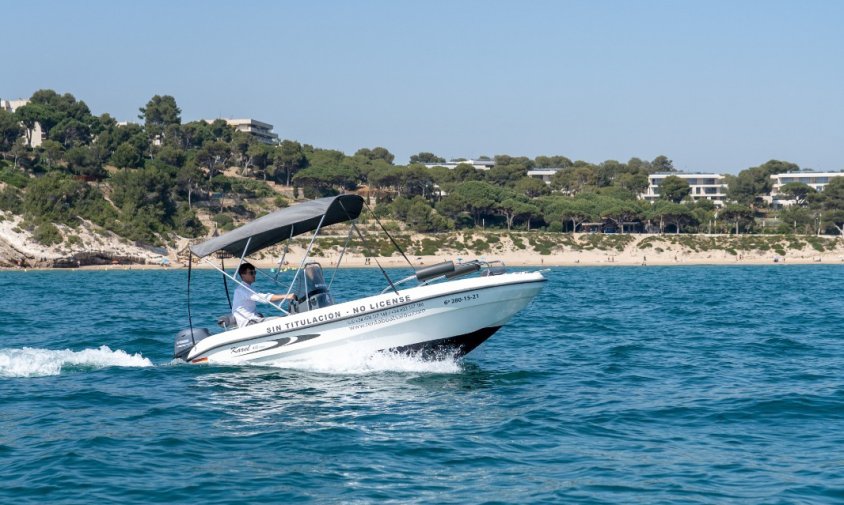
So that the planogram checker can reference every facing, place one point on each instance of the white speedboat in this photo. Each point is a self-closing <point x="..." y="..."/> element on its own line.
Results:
<point x="445" y="310"/>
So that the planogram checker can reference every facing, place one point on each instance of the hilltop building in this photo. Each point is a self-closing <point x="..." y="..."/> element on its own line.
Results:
<point x="262" y="131"/>
<point x="476" y="164"/>
<point x="704" y="186"/>
<point x="543" y="174"/>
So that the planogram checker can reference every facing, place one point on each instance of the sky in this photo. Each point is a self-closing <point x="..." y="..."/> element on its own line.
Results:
<point x="717" y="86"/>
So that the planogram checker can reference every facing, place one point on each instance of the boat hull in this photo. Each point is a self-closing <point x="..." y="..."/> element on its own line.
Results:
<point x="438" y="320"/>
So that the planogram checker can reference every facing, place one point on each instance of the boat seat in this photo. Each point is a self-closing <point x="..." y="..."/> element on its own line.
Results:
<point x="227" y="321"/>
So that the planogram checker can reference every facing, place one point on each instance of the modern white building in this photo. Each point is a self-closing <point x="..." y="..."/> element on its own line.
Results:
<point x="543" y="174"/>
<point x="815" y="180"/>
<point x="260" y="130"/>
<point x="704" y="186"/>
<point x="476" y="164"/>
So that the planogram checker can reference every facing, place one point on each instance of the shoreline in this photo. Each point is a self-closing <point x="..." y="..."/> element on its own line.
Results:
<point x="568" y="259"/>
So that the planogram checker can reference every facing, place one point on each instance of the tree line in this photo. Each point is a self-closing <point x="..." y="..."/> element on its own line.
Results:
<point x="146" y="182"/>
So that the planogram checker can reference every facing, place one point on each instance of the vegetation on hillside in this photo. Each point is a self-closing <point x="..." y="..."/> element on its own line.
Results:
<point x="161" y="178"/>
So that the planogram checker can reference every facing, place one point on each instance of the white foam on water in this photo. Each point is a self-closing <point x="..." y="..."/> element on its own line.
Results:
<point x="31" y="362"/>
<point x="366" y="363"/>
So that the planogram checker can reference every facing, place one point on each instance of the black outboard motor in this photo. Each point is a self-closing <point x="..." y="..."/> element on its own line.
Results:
<point x="185" y="341"/>
<point x="311" y="290"/>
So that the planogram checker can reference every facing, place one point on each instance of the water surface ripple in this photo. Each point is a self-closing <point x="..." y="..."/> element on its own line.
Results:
<point x="617" y="385"/>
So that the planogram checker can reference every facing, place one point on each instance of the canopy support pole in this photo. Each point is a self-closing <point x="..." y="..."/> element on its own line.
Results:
<point x="395" y="244"/>
<point x="225" y="283"/>
<point x="342" y="253"/>
<point x="305" y="259"/>
<point x="190" y="318"/>
<point x="239" y="283"/>
<point x="383" y="272"/>
<point x="283" y="255"/>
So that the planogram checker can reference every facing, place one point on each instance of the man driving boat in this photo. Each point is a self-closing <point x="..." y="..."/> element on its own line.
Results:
<point x="245" y="301"/>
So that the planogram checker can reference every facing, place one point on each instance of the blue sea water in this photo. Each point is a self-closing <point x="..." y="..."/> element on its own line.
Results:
<point x="616" y="385"/>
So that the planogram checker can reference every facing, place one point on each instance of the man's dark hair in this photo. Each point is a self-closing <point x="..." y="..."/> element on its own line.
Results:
<point x="244" y="267"/>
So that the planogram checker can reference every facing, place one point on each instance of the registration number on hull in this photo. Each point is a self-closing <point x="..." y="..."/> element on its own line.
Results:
<point x="461" y="299"/>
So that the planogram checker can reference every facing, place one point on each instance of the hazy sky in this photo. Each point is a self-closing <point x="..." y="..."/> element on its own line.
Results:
<point x="715" y="86"/>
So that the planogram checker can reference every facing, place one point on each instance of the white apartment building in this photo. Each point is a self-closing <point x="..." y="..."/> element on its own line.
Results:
<point x="543" y="174"/>
<point x="704" y="186"/>
<point x="260" y="130"/>
<point x="815" y="180"/>
<point x="476" y="164"/>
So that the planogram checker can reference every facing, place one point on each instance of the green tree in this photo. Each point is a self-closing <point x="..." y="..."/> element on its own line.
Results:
<point x="57" y="198"/>
<point x="377" y="153"/>
<point x="668" y="212"/>
<point x="515" y="208"/>
<point x="420" y="217"/>
<point x="798" y="219"/>
<point x="416" y="180"/>
<point x="426" y="157"/>
<point x="798" y="192"/>
<point x="636" y="183"/>
<point x="674" y="189"/>
<point x="480" y="198"/>
<point x="289" y="158"/>
<point x="750" y="185"/>
<point x="620" y="212"/>
<point x="738" y="215"/>
<point x="506" y="175"/>
<point x="532" y="187"/>
<point x="213" y="156"/>
<point x="52" y="152"/>
<point x="466" y="172"/>
<point x="82" y="160"/>
<point x="563" y="209"/>
<point x="10" y="131"/>
<point x="662" y="164"/>
<point x="573" y="180"/>
<point x="49" y="109"/>
<point x="260" y="157"/>
<point x="160" y="112"/>
<point x="833" y="205"/>
<point x="127" y="156"/>
<point x="552" y="162"/>
<point x="144" y="201"/>
<point x="71" y="132"/>
<point x="171" y="155"/>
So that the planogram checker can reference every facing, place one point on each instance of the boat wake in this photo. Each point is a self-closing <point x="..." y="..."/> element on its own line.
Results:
<point x="351" y="364"/>
<point x="31" y="362"/>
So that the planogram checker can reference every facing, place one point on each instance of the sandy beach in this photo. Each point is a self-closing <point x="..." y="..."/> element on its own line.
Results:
<point x="567" y="250"/>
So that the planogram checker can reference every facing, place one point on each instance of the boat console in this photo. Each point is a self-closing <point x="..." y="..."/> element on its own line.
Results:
<point x="311" y="290"/>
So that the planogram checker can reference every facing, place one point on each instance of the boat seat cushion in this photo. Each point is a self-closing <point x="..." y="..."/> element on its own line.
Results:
<point x="227" y="321"/>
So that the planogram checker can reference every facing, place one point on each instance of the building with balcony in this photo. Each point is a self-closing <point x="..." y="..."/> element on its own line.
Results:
<point x="543" y="174"/>
<point x="476" y="164"/>
<point x="815" y="180"/>
<point x="263" y="132"/>
<point x="704" y="186"/>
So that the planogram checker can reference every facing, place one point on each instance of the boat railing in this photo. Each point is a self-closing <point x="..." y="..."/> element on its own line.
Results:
<point x="447" y="270"/>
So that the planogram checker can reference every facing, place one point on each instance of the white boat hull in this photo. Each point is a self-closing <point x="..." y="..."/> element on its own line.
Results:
<point x="450" y="319"/>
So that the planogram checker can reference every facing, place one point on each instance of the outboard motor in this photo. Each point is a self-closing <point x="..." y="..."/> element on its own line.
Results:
<point x="185" y="341"/>
<point x="311" y="290"/>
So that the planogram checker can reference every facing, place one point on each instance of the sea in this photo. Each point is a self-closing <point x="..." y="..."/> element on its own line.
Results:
<point x="677" y="384"/>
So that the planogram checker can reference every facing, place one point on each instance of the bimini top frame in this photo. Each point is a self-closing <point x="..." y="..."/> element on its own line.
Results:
<point x="273" y="228"/>
<point x="283" y="224"/>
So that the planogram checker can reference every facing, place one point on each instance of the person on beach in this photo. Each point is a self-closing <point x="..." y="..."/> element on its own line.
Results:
<point x="244" y="302"/>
